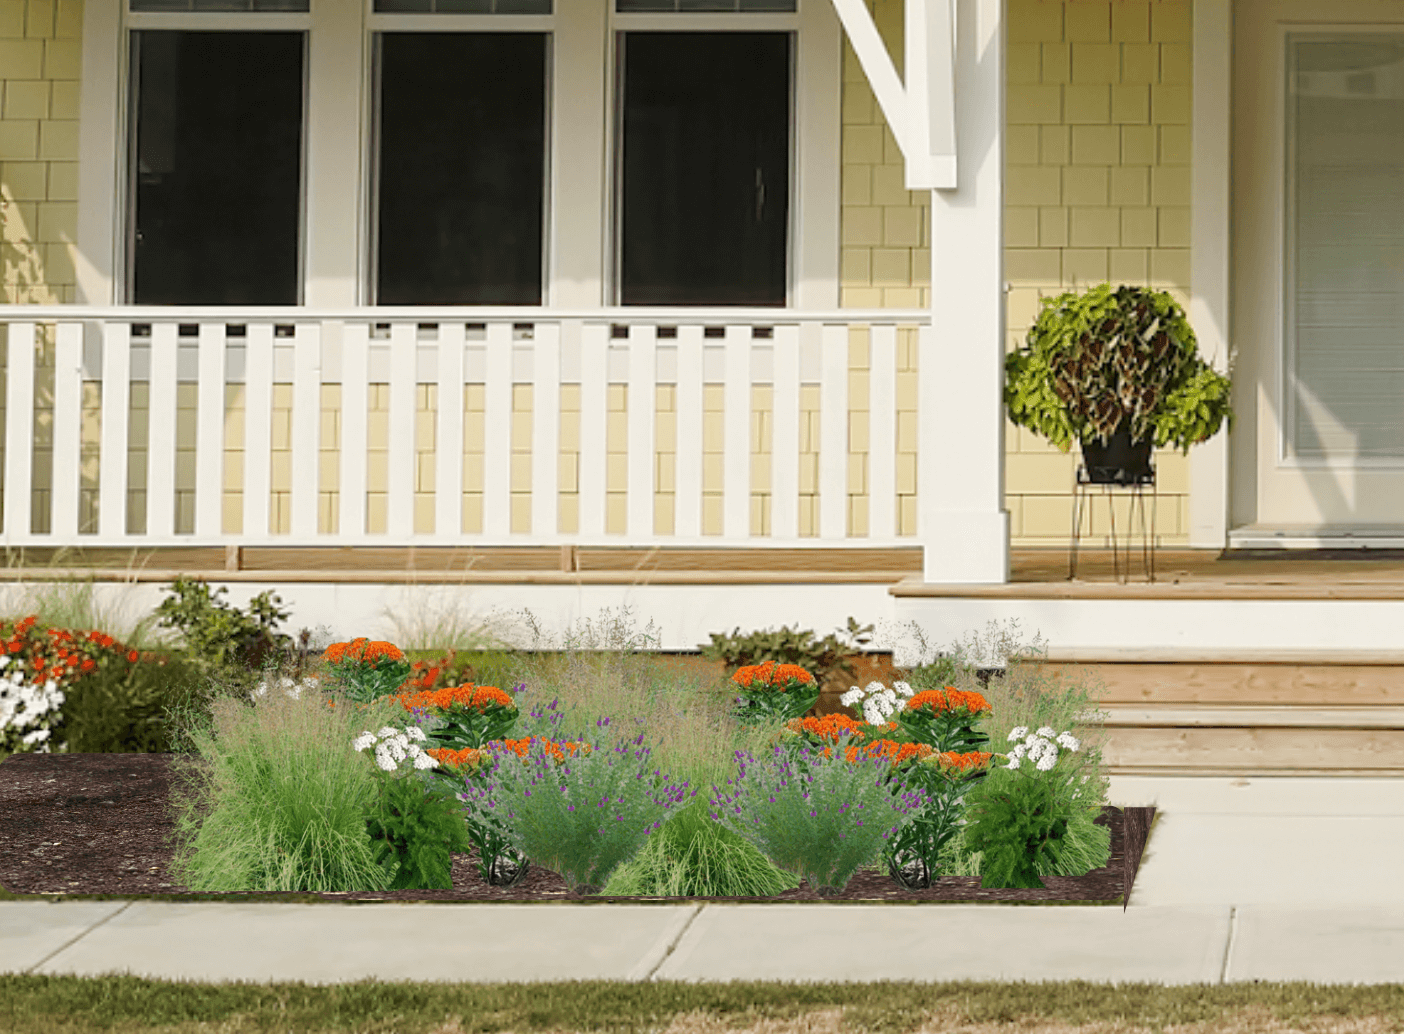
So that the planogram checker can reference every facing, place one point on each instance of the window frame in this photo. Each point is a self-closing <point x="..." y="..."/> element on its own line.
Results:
<point x="375" y="32"/>
<point x="723" y="21"/>
<point x="580" y="241"/>
<point x="126" y="235"/>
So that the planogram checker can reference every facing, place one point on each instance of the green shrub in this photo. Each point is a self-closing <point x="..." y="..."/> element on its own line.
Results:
<point x="218" y="637"/>
<point x="823" y="658"/>
<point x="122" y="707"/>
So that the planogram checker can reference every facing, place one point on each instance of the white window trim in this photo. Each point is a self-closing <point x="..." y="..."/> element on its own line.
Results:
<point x="1284" y="381"/>
<point x="336" y="164"/>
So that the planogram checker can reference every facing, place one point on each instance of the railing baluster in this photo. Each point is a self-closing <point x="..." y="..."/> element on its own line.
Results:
<point x="448" y="443"/>
<point x="736" y="436"/>
<point x="315" y="352"/>
<point x="355" y="405"/>
<point x="19" y="433"/>
<point x="209" y="432"/>
<point x="546" y="432"/>
<point x="833" y="432"/>
<point x="594" y="388"/>
<point x="258" y="430"/>
<point x="882" y="432"/>
<point x="161" y="438"/>
<point x="687" y="498"/>
<point x="497" y="432"/>
<point x="116" y="421"/>
<point x="642" y="403"/>
<point x="68" y="390"/>
<point x="784" y="446"/>
<point x="306" y="427"/>
<point x="404" y="366"/>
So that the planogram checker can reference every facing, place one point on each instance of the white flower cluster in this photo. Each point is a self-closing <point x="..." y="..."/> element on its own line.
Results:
<point x="288" y="686"/>
<point x="23" y="705"/>
<point x="1039" y="746"/>
<point x="394" y="746"/>
<point x="878" y="701"/>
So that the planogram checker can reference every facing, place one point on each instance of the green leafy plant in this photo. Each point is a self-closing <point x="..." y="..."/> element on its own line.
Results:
<point x="1101" y="358"/>
<point x="822" y="658"/>
<point x="218" y="637"/>
<point x="119" y="708"/>
<point x="1018" y="824"/>
<point x="415" y="826"/>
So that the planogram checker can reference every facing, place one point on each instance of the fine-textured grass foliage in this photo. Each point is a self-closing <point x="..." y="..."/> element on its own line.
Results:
<point x="135" y="1005"/>
<point x="280" y="801"/>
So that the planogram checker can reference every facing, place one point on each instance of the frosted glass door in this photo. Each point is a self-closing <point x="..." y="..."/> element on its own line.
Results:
<point x="1345" y="248"/>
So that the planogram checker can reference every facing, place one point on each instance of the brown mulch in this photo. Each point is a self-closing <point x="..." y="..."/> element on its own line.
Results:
<point x="102" y="824"/>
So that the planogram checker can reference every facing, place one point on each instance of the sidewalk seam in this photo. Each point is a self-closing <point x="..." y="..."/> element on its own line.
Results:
<point x="72" y="941"/>
<point x="645" y="971"/>
<point x="1228" y="944"/>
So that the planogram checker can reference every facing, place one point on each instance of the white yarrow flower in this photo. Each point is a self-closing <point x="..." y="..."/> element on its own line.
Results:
<point x="1018" y="733"/>
<point x="1046" y="732"/>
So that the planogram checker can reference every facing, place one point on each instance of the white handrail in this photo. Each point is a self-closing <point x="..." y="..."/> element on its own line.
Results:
<point x="344" y="346"/>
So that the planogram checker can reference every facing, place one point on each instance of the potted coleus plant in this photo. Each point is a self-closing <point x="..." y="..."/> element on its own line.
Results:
<point x="1120" y="371"/>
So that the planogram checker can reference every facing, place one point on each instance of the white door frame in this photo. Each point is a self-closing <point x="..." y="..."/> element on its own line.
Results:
<point x="1269" y="486"/>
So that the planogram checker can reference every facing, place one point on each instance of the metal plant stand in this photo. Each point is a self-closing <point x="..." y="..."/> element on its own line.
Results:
<point x="1080" y="509"/>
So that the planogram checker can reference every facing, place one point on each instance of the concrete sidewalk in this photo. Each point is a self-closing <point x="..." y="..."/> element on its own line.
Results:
<point x="1258" y="879"/>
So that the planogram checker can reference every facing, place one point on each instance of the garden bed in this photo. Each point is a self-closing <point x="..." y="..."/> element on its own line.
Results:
<point x="102" y="825"/>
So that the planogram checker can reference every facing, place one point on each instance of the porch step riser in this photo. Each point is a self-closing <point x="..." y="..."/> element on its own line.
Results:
<point x="1246" y="719"/>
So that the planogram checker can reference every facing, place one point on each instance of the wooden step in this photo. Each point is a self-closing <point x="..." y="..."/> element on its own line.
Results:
<point x="1253" y="740"/>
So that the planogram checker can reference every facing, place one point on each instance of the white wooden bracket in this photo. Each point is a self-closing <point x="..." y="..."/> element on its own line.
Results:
<point x="921" y="114"/>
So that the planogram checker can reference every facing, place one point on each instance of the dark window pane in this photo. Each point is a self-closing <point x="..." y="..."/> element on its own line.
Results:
<point x="219" y="5"/>
<point x="462" y="164"/>
<point x="217" y="168"/>
<point x="706" y="168"/>
<point x="632" y="6"/>
<point x="463" y="6"/>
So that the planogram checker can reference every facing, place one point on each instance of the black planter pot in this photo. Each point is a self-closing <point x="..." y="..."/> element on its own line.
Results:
<point x="1120" y="461"/>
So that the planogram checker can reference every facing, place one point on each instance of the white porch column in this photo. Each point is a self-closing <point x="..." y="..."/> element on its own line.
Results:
<point x="1209" y="255"/>
<point x="333" y="222"/>
<point x="960" y="477"/>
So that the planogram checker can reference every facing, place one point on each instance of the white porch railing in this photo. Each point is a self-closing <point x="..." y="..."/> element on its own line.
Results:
<point x="407" y="347"/>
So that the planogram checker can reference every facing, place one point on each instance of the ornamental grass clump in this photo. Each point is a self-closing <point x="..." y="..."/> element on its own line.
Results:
<point x="579" y="809"/>
<point x="820" y="817"/>
<point x="276" y="799"/>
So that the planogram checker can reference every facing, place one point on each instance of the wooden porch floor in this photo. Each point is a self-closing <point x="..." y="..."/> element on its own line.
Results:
<point x="1193" y="574"/>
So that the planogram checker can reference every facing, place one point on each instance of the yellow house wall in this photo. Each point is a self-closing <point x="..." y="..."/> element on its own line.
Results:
<point x="1097" y="188"/>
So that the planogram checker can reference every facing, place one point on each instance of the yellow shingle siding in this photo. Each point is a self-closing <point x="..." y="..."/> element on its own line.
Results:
<point x="1097" y="187"/>
<point x="40" y="51"/>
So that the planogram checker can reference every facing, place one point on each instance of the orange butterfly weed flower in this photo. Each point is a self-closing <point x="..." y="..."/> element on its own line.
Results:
<point x="771" y="674"/>
<point x="552" y="748"/>
<point x="897" y="753"/>
<point x="376" y="650"/>
<point x="469" y="757"/>
<point x="827" y="726"/>
<point x="356" y="650"/>
<point x="948" y="699"/>
<point x="974" y="759"/>
<point x="132" y="656"/>
<point x="479" y="697"/>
